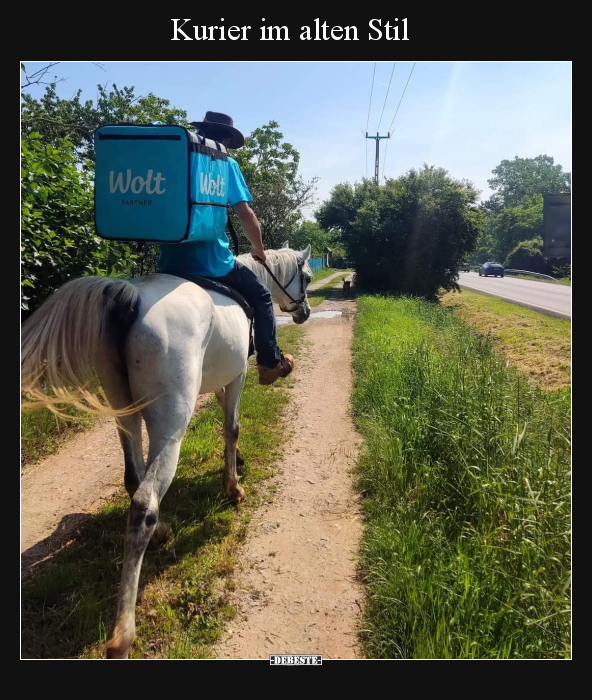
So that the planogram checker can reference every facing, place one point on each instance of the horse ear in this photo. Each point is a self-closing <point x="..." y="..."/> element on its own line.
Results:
<point x="306" y="253"/>
<point x="286" y="244"/>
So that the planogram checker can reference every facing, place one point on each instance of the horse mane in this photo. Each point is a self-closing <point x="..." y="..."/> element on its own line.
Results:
<point x="281" y="262"/>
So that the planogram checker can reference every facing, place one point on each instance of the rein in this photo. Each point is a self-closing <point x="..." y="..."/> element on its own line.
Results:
<point x="298" y="302"/>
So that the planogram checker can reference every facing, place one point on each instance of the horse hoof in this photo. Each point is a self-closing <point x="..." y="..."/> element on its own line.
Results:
<point x="119" y="643"/>
<point x="112" y="654"/>
<point x="163" y="533"/>
<point x="237" y="494"/>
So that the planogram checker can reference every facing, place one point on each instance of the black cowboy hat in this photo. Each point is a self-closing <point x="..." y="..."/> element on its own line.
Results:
<point x="218" y="126"/>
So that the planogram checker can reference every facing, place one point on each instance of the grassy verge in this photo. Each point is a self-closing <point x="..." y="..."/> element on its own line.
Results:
<point x="466" y="479"/>
<point x="68" y="605"/>
<point x="42" y="433"/>
<point x="534" y="343"/>
<point x="319" y="295"/>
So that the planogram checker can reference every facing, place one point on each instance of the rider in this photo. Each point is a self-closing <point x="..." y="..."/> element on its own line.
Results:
<point x="214" y="258"/>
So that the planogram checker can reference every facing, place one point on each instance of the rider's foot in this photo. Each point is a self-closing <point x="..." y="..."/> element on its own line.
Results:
<point x="282" y="369"/>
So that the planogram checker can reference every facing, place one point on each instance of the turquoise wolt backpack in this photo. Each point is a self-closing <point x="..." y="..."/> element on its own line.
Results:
<point x="159" y="183"/>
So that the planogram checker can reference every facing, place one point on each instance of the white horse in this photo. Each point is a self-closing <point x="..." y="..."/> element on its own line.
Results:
<point x="156" y="343"/>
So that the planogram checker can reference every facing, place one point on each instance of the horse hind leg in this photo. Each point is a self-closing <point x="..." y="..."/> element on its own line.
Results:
<point x="114" y="380"/>
<point x="130" y="436"/>
<point x="232" y="393"/>
<point x="240" y="462"/>
<point x="167" y="419"/>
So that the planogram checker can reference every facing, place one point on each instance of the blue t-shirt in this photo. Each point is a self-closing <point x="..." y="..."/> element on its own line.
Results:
<point x="206" y="258"/>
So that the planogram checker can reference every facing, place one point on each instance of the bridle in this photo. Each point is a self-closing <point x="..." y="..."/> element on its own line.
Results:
<point x="297" y="303"/>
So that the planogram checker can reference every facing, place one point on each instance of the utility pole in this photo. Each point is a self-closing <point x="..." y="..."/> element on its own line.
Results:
<point x="377" y="138"/>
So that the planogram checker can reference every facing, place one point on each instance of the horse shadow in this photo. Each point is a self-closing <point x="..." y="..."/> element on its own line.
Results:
<point x="43" y="551"/>
<point x="68" y="602"/>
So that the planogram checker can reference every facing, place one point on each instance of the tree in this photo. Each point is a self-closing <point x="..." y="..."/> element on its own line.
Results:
<point x="514" y="213"/>
<point x="311" y="232"/>
<point x="38" y="77"/>
<point x="55" y="118"/>
<point x="410" y="235"/>
<point x="270" y="168"/>
<point x="522" y="177"/>
<point x="515" y="224"/>
<point x="58" y="240"/>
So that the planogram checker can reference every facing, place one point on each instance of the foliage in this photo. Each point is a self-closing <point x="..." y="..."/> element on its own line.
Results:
<point x="514" y="213"/>
<point x="513" y="225"/>
<point x="410" y="235"/>
<point x="309" y="232"/>
<point x="528" y="255"/>
<point x="58" y="240"/>
<point x="523" y="177"/>
<point x="55" y="118"/>
<point x="270" y="168"/>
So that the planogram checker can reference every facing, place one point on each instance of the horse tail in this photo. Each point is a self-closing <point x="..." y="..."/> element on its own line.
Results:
<point x="62" y="340"/>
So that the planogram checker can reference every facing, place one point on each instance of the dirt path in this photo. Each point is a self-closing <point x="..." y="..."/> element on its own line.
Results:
<point x="59" y="493"/>
<point x="323" y="282"/>
<point x="296" y="589"/>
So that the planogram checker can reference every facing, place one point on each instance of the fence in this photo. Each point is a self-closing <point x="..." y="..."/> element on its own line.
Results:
<point x="510" y="271"/>
<point x="534" y="274"/>
<point x="317" y="264"/>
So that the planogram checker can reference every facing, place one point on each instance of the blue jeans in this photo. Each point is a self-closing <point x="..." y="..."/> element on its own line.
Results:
<point x="259" y="297"/>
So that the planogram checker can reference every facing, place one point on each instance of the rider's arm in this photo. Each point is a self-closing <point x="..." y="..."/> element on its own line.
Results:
<point x="251" y="228"/>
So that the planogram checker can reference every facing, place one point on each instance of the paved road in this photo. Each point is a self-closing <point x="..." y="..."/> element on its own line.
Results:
<point x="547" y="297"/>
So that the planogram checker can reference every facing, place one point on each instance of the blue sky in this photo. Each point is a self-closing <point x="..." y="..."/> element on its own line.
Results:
<point x="466" y="117"/>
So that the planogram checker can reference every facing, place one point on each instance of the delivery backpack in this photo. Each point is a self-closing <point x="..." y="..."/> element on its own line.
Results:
<point x="159" y="183"/>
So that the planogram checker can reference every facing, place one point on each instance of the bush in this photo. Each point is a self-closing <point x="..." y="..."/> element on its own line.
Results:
<point x="528" y="255"/>
<point x="409" y="236"/>
<point x="560" y="267"/>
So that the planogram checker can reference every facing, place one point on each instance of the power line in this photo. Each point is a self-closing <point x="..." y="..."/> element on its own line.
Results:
<point x="403" y="95"/>
<point x="387" y="94"/>
<point x="368" y="119"/>
<point x="396" y="112"/>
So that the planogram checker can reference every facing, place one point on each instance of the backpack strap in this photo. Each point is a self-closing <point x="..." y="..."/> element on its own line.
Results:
<point x="233" y="234"/>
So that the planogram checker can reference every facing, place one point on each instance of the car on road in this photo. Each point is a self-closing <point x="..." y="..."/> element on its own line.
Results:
<point x="491" y="268"/>
<point x="465" y="267"/>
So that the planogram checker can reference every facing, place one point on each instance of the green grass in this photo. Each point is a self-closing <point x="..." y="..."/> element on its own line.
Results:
<point x="321" y="274"/>
<point x="534" y="343"/>
<point x="466" y="484"/>
<point x="42" y="433"/>
<point x="318" y="296"/>
<point x="67" y="607"/>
